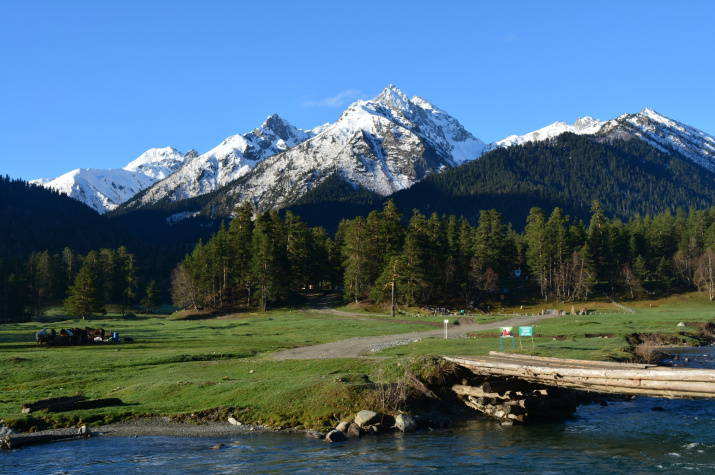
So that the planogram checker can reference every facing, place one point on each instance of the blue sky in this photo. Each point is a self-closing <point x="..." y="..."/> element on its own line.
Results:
<point x="97" y="83"/>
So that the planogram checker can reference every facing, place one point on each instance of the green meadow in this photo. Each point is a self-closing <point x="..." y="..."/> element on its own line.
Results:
<point x="220" y="366"/>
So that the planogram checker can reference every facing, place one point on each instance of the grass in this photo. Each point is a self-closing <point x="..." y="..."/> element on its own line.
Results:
<point x="175" y="366"/>
<point x="223" y="365"/>
<point x="601" y="336"/>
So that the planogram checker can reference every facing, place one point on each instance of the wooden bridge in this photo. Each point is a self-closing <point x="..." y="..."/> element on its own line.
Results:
<point x="520" y="388"/>
<point x="597" y="376"/>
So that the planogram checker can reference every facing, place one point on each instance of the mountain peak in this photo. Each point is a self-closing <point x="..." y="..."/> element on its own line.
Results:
<point x="278" y="126"/>
<point x="393" y="98"/>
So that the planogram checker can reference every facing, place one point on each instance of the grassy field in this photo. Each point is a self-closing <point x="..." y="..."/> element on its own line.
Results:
<point x="600" y="335"/>
<point x="184" y="366"/>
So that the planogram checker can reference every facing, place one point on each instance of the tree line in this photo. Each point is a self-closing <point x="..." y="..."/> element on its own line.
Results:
<point x="85" y="283"/>
<point x="263" y="259"/>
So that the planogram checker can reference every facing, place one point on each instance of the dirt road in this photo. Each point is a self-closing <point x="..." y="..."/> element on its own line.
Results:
<point x="362" y="346"/>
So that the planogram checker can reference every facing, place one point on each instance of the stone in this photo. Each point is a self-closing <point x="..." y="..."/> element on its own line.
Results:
<point x="354" y="431"/>
<point x="84" y="430"/>
<point x="343" y="427"/>
<point x="682" y="324"/>
<point x="405" y="423"/>
<point x="335" y="436"/>
<point x="6" y="431"/>
<point x="366" y="418"/>
<point x="234" y="422"/>
<point x="314" y="434"/>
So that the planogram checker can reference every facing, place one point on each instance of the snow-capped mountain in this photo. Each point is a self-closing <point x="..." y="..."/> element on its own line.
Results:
<point x="659" y="131"/>
<point x="582" y="126"/>
<point x="233" y="158"/>
<point x="104" y="190"/>
<point x="385" y="144"/>
<point x="665" y="134"/>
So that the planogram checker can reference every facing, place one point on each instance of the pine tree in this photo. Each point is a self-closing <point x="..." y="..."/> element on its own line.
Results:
<point x="151" y="300"/>
<point x="355" y="254"/>
<point x="127" y="277"/>
<point x="85" y="297"/>
<point x="240" y="237"/>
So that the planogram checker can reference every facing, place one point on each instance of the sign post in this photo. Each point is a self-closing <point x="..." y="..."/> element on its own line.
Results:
<point x="445" y="328"/>
<point x="506" y="332"/>
<point x="526" y="331"/>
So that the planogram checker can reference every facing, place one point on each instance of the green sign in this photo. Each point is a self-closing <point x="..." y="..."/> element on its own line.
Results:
<point x="526" y="331"/>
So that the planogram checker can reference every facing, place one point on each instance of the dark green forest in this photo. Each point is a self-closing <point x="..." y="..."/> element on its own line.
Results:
<point x="445" y="260"/>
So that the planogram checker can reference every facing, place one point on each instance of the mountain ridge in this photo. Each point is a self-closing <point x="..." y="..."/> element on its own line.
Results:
<point x="383" y="145"/>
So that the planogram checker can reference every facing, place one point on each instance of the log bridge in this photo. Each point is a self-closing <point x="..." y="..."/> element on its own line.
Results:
<point x="518" y="388"/>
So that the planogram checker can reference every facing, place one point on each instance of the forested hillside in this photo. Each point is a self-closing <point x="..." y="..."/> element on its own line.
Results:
<point x="570" y="171"/>
<point x="35" y="218"/>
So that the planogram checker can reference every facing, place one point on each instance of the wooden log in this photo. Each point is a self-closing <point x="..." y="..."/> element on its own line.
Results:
<point x="473" y="391"/>
<point x="568" y="361"/>
<point x="540" y="371"/>
<point x="419" y="385"/>
<point x="18" y="442"/>
<point x="48" y="403"/>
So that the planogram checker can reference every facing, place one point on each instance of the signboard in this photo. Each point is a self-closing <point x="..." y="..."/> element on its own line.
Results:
<point x="506" y="332"/>
<point x="526" y="331"/>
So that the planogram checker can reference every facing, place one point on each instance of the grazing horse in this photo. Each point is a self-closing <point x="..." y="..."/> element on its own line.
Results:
<point x="41" y="337"/>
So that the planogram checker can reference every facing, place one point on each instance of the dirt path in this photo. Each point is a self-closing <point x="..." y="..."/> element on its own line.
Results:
<point x="362" y="346"/>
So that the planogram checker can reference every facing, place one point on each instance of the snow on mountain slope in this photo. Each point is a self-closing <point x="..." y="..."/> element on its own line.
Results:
<point x="659" y="131"/>
<point x="384" y="145"/>
<point x="158" y="163"/>
<point x="665" y="134"/>
<point x="582" y="126"/>
<point x="233" y="158"/>
<point x="104" y="190"/>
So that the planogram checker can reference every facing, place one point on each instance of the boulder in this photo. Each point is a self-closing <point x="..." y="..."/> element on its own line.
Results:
<point x="343" y="427"/>
<point x="234" y="422"/>
<point x="682" y="324"/>
<point x="314" y="434"/>
<point x="405" y="423"/>
<point x="6" y="431"/>
<point x="354" y="431"/>
<point x="366" y="418"/>
<point x="335" y="436"/>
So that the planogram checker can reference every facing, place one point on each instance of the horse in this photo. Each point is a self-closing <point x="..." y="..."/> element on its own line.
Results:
<point x="41" y="337"/>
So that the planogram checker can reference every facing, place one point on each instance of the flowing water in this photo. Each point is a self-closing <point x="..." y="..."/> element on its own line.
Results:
<point x="645" y="435"/>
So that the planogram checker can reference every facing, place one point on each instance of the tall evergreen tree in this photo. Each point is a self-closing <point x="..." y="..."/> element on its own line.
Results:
<point x="151" y="300"/>
<point x="85" y="298"/>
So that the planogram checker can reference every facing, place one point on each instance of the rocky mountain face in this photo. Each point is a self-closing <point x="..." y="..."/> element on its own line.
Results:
<point x="383" y="145"/>
<point x="104" y="190"/>
<point x="230" y="160"/>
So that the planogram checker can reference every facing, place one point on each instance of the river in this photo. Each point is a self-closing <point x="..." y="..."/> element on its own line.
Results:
<point x="645" y="435"/>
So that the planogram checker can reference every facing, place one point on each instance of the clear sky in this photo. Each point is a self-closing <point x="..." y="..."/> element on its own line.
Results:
<point x="96" y="83"/>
